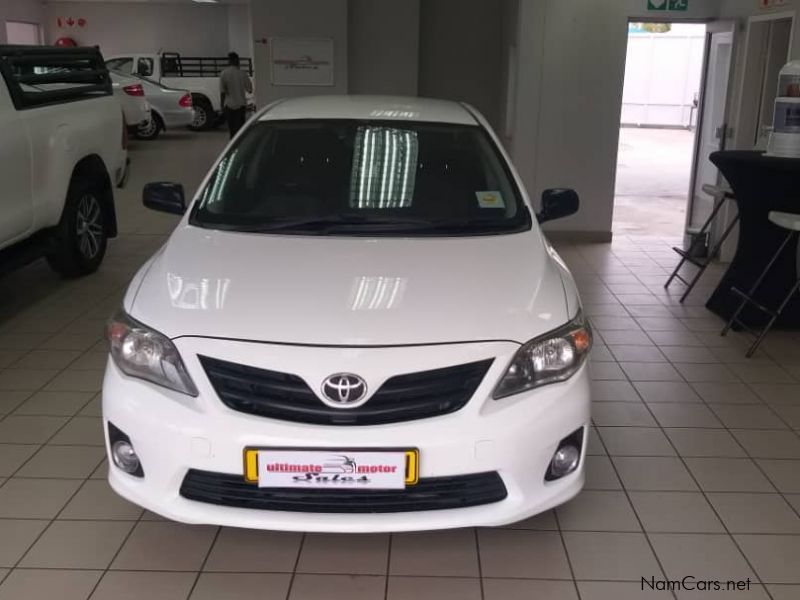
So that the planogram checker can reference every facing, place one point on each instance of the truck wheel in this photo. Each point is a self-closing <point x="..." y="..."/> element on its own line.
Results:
<point x="203" y="115"/>
<point x="151" y="129"/>
<point x="80" y="238"/>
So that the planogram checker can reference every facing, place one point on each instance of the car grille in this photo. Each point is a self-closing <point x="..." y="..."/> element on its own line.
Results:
<point x="434" y="493"/>
<point x="287" y="397"/>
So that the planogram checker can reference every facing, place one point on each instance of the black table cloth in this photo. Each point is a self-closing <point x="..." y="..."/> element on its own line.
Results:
<point x="761" y="184"/>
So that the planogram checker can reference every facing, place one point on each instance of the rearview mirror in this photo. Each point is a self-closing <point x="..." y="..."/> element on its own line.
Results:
<point x="164" y="196"/>
<point x="558" y="203"/>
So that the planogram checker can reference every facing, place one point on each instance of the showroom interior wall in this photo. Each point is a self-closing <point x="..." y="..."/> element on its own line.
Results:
<point x="28" y="11"/>
<point x="240" y="29"/>
<point x="143" y="26"/>
<point x="383" y="46"/>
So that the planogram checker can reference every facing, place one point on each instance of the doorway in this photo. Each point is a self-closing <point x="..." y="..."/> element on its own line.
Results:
<point x="658" y="124"/>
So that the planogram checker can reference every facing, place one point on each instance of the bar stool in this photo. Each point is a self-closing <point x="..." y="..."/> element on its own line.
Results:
<point x="720" y="196"/>
<point x="791" y="223"/>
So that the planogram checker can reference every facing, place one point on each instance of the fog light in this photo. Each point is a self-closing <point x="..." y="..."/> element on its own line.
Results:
<point x="125" y="457"/>
<point x="565" y="461"/>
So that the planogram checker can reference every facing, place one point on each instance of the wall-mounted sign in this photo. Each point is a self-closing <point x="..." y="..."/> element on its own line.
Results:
<point x="674" y="5"/>
<point x="772" y="3"/>
<point x="65" y="22"/>
<point x="301" y="61"/>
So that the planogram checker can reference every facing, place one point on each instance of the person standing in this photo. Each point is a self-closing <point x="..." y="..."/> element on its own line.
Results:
<point x="234" y="85"/>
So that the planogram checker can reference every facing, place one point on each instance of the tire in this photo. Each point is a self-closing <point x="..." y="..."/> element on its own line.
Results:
<point x="80" y="239"/>
<point x="151" y="130"/>
<point x="204" y="116"/>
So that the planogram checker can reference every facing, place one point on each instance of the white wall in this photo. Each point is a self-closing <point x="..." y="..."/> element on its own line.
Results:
<point x="29" y="11"/>
<point x="383" y="46"/>
<point x="298" y="18"/>
<point x="188" y="28"/>
<point x="571" y="63"/>
<point x="240" y="30"/>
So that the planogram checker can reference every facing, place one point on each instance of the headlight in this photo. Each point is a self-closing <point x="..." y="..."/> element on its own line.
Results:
<point x="145" y="353"/>
<point x="553" y="357"/>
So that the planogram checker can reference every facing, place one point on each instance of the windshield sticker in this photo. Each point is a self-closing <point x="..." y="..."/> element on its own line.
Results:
<point x="490" y="200"/>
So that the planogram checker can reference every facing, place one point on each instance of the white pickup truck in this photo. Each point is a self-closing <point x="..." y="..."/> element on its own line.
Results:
<point x="62" y="151"/>
<point x="198" y="74"/>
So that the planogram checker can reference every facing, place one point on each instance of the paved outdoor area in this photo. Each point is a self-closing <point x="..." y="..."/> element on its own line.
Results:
<point x="653" y="173"/>
<point x="693" y="466"/>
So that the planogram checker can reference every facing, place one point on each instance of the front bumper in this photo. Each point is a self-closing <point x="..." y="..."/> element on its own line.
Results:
<point x="515" y="437"/>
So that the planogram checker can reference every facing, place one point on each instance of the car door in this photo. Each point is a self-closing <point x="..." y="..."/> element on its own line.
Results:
<point x="16" y="202"/>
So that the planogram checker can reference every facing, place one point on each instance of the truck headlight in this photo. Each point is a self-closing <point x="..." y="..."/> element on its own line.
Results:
<point x="553" y="357"/>
<point x="142" y="352"/>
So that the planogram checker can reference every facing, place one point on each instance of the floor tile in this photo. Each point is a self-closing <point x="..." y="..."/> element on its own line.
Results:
<point x="675" y="512"/>
<point x="366" y="554"/>
<point x="16" y="536"/>
<point x="76" y="380"/>
<point x="598" y="511"/>
<point x="29" y="430"/>
<point x="254" y="550"/>
<point x="728" y="475"/>
<point x="621" y="414"/>
<point x="77" y="545"/>
<point x="674" y="338"/>
<point x="48" y="584"/>
<point x="784" y="474"/>
<point x="704" y="442"/>
<point x="545" y="521"/>
<point x="522" y="554"/>
<point x="600" y="371"/>
<point x="241" y="586"/>
<point x="762" y="373"/>
<point x="97" y="501"/>
<point x="688" y="354"/>
<point x="709" y="556"/>
<point x="449" y="553"/>
<point x="68" y="462"/>
<point x="13" y="456"/>
<point x="636" y="441"/>
<point x="654" y="474"/>
<point x="81" y="431"/>
<point x="755" y="513"/>
<point x="776" y="558"/>
<point x="784" y="592"/>
<point x="769" y="444"/>
<point x="610" y="556"/>
<point x="160" y="546"/>
<point x="747" y="416"/>
<point x="790" y="415"/>
<point x="725" y="393"/>
<point x="626" y="338"/>
<point x="613" y="391"/>
<point x="778" y="393"/>
<point x="517" y="589"/>
<point x="10" y="400"/>
<point x="694" y="372"/>
<point x="649" y="371"/>
<point x="641" y="354"/>
<point x="433" y="588"/>
<point x="600" y="474"/>
<point x="684" y="415"/>
<point x="35" y="498"/>
<point x="46" y="359"/>
<point x="625" y="590"/>
<point x="25" y="379"/>
<point x="54" y="403"/>
<point x="337" y="587"/>
<point x="126" y="585"/>
<point x="666" y="391"/>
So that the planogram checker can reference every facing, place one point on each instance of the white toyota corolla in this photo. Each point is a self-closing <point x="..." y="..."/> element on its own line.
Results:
<point x="356" y="326"/>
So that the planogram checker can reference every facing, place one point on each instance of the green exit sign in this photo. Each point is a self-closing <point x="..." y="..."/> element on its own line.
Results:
<point x="675" y="5"/>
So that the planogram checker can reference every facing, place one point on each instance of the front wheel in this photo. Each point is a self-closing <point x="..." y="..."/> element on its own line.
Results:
<point x="80" y="238"/>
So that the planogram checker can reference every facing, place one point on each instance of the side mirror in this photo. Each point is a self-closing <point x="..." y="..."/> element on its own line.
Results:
<point x="558" y="203"/>
<point x="165" y="197"/>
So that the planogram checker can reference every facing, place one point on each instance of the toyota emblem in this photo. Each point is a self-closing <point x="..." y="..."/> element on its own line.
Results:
<point x="344" y="390"/>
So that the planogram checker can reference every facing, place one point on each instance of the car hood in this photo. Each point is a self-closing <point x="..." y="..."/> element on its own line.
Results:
<point x="350" y="291"/>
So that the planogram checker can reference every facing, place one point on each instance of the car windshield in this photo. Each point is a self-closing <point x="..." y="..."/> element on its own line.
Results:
<point x="352" y="177"/>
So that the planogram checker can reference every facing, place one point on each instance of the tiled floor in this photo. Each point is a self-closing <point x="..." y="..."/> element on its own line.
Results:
<point x="694" y="466"/>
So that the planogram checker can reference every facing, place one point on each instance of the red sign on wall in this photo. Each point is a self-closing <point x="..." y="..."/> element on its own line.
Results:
<point x="65" y="22"/>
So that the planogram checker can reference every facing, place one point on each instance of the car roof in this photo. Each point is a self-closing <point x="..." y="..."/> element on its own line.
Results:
<point x="391" y="108"/>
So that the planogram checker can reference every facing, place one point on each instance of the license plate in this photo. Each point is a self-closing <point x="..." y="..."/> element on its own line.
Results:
<point x="331" y="469"/>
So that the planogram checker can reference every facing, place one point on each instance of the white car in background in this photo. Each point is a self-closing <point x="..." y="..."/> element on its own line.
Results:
<point x="135" y="107"/>
<point x="357" y="326"/>
<point x="170" y="108"/>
